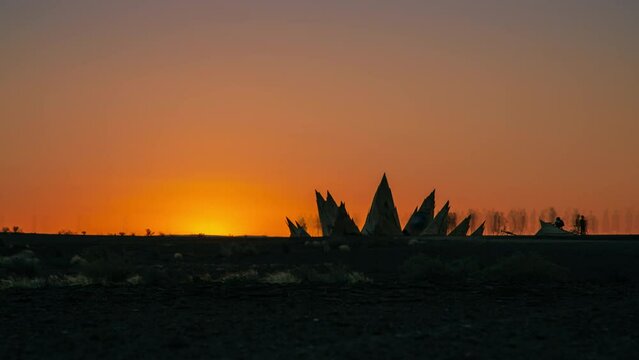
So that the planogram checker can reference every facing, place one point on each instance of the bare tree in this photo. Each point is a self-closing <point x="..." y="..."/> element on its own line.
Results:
<point x="629" y="221"/>
<point x="474" y="218"/>
<point x="517" y="219"/>
<point x="496" y="222"/>
<point x="592" y="223"/>
<point x="301" y="222"/>
<point x="452" y="221"/>
<point x="549" y="214"/>
<point x="616" y="221"/>
<point x="533" y="223"/>
<point x="605" y="223"/>
<point x="316" y="224"/>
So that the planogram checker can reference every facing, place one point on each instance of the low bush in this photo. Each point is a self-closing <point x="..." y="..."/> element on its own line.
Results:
<point x="23" y="263"/>
<point x="22" y="283"/>
<point x="525" y="268"/>
<point x="282" y="278"/>
<point x="237" y="248"/>
<point x="423" y="267"/>
<point x="512" y="269"/>
<point x="330" y="274"/>
<point x="240" y="277"/>
<point x="108" y="270"/>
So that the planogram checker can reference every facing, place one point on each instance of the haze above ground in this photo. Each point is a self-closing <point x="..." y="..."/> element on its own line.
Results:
<point x="222" y="117"/>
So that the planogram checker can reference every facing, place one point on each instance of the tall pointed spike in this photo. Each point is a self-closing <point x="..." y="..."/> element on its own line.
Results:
<point x="382" y="218"/>
<point x="479" y="231"/>
<point x="462" y="228"/>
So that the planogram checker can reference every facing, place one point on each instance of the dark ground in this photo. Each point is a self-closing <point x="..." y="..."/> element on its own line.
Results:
<point x="591" y="314"/>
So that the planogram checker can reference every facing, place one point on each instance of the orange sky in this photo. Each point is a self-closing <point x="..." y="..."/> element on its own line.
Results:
<point x="223" y="117"/>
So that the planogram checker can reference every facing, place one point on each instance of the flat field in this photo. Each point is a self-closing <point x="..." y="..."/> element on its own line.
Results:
<point x="218" y="297"/>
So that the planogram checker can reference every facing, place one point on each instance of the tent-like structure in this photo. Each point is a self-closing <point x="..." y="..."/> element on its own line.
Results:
<point x="344" y="224"/>
<point x="549" y="229"/>
<point x="479" y="231"/>
<point x="382" y="219"/>
<point x="439" y="226"/>
<point x="327" y="210"/>
<point x="296" y="229"/>
<point x="421" y="217"/>
<point x="462" y="228"/>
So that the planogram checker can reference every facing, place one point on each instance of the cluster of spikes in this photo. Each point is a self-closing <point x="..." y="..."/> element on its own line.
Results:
<point x="382" y="219"/>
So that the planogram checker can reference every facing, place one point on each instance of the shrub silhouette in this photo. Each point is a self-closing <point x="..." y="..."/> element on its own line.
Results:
<point x="23" y="264"/>
<point x="516" y="268"/>
<point x="525" y="268"/>
<point x="427" y="268"/>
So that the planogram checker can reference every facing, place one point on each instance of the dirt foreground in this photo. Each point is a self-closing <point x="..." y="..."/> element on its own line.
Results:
<point x="389" y="316"/>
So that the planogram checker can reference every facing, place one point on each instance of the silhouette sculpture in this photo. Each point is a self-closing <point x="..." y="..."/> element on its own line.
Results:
<point x="462" y="228"/>
<point x="296" y="229"/>
<point x="479" y="231"/>
<point x="550" y="229"/>
<point x="327" y="210"/>
<point x="421" y="218"/>
<point x="382" y="219"/>
<point x="440" y="222"/>
<point x="344" y="224"/>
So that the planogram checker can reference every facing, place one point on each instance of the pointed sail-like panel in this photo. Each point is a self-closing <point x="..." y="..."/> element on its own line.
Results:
<point x="382" y="219"/>
<point x="292" y="228"/>
<point x="412" y="222"/>
<point x="344" y="224"/>
<point x="428" y="207"/>
<point x="296" y="229"/>
<point x="327" y="210"/>
<point x="479" y="231"/>
<point x="421" y="218"/>
<point x="301" y="230"/>
<point x="462" y="228"/>
<point x="440" y="222"/>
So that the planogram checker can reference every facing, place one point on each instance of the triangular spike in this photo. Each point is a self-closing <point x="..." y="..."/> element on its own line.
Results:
<point x="422" y="217"/>
<point x="462" y="228"/>
<point x="382" y="218"/>
<point x="479" y="231"/>
<point x="440" y="222"/>
<point x="327" y="210"/>
<point x="344" y="224"/>
<point x="292" y="228"/>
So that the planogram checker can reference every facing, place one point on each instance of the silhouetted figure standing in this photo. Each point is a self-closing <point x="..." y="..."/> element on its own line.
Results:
<point x="582" y="225"/>
<point x="559" y="223"/>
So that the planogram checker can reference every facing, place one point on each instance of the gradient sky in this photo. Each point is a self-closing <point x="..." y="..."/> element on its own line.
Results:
<point x="223" y="116"/>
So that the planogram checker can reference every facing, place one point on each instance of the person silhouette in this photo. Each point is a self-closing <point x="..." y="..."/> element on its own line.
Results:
<point x="559" y="223"/>
<point x="582" y="225"/>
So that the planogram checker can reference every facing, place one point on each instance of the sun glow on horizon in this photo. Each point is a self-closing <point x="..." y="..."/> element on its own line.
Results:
<point x="223" y="116"/>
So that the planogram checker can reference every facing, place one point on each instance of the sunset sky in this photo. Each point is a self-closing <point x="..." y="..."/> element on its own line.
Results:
<point x="223" y="117"/>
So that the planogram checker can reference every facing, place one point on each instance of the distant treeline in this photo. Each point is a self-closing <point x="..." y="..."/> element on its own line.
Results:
<point x="526" y="221"/>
